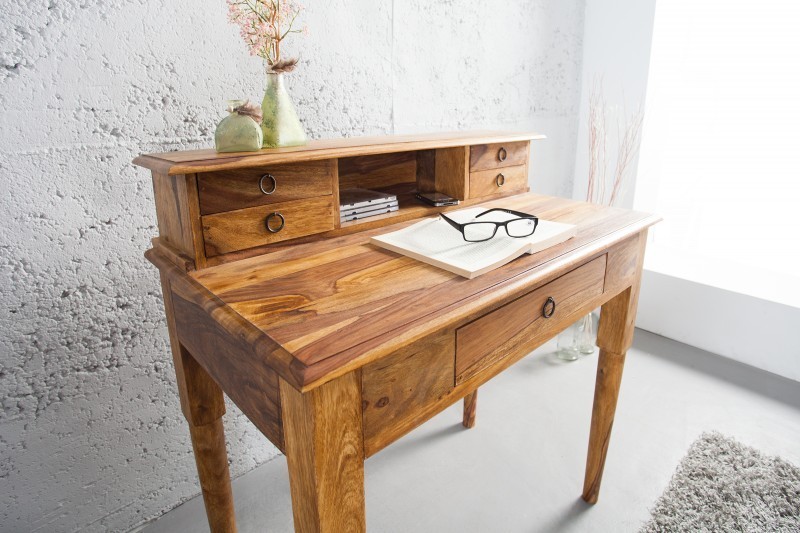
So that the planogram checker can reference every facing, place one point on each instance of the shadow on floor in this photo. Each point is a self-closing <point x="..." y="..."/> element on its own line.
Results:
<point x="565" y="518"/>
<point x="715" y="366"/>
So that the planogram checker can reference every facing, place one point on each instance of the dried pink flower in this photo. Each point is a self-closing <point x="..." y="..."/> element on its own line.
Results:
<point x="264" y="24"/>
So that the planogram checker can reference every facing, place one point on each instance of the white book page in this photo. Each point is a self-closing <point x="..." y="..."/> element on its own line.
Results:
<point x="435" y="242"/>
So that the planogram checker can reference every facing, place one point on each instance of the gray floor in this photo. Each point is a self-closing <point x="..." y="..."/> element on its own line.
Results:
<point x="521" y="468"/>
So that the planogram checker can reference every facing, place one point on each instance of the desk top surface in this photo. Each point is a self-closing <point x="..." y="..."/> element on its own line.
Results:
<point x="336" y="304"/>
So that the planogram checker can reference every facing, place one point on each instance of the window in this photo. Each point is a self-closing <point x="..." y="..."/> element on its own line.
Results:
<point x="720" y="158"/>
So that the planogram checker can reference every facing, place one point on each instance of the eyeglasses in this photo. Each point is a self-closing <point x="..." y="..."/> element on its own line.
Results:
<point x="522" y="226"/>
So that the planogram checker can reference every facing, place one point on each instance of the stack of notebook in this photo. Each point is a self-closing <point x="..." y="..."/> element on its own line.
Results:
<point x="355" y="204"/>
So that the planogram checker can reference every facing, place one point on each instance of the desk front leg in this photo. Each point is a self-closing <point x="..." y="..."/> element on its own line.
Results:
<point x="614" y="337"/>
<point x="324" y="445"/>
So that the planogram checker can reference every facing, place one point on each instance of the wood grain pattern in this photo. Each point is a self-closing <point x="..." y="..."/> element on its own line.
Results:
<point x="488" y="156"/>
<point x="325" y="454"/>
<point x="193" y="207"/>
<point x="335" y="196"/>
<point x="494" y="181"/>
<point x="208" y="443"/>
<point x="228" y="190"/>
<point x="174" y="226"/>
<point x="478" y="344"/>
<point x="377" y="171"/>
<point x="333" y="315"/>
<point x="183" y="262"/>
<point x="426" y="170"/>
<point x="451" y="172"/>
<point x="245" y="228"/>
<point x="269" y="353"/>
<point x="616" y="326"/>
<point x="411" y="209"/>
<point x="624" y="260"/>
<point x="395" y="387"/>
<point x="470" y="410"/>
<point x="429" y="405"/>
<point x="200" y="397"/>
<point x="248" y="381"/>
<point x="614" y="337"/>
<point x="196" y="161"/>
<point x="203" y="406"/>
<point x="606" y="392"/>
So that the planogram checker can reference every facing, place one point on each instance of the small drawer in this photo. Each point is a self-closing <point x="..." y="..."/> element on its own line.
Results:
<point x="518" y="327"/>
<point x="496" y="181"/>
<point x="246" y="228"/>
<point x="228" y="190"/>
<point x="498" y="155"/>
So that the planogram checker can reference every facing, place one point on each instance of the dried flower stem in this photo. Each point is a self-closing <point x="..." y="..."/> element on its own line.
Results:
<point x="628" y="139"/>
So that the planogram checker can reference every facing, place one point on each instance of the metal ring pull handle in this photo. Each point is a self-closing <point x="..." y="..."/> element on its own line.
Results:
<point x="549" y="307"/>
<point x="269" y="219"/>
<point x="500" y="180"/>
<point x="502" y="154"/>
<point x="272" y="179"/>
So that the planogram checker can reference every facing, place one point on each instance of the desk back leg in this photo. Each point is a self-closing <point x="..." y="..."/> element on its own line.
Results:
<point x="208" y="442"/>
<point x="203" y="405"/>
<point x="324" y="443"/>
<point x="470" y="408"/>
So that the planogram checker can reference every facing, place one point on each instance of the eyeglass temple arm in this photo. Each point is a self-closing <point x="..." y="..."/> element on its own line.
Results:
<point x="509" y="211"/>
<point x="453" y="223"/>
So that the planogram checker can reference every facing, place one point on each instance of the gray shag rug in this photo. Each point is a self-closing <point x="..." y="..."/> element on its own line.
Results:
<point x="723" y="485"/>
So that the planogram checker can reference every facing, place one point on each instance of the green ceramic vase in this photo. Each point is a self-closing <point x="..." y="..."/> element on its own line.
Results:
<point x="280" y="124"/>
<point x="237" y="133"/>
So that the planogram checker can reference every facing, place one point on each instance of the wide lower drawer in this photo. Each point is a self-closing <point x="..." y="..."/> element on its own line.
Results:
<point x="523" y="324"/>
<point x="246" y="228"/>
<point x="497" y="155"/>
<point x="496" y="181"/>
<point x="229" y="190"/>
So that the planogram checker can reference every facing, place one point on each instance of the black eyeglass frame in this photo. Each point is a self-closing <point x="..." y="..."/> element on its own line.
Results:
<point x="520" y="215"/>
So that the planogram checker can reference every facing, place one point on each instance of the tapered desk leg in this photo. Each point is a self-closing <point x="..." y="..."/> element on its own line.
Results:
<point x="614" y="337"/>
<point x="208" y="442"/>
<point x="203" y="405"/>
<point x="609" y="375"/>
<point x="470" y="407"/>
<point x="325" y="452"/>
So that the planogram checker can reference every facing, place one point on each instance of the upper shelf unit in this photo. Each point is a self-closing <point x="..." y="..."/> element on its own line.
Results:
<point x="215" y="208"/>
<point x="194" y="161"/>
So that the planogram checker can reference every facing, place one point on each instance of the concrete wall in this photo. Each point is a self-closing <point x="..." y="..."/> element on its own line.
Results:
<point x="91" y="437"/>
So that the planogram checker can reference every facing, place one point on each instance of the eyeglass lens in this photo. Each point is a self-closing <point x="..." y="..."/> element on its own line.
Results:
<point x="479" y="231"/>
<point x="522" y="227"/>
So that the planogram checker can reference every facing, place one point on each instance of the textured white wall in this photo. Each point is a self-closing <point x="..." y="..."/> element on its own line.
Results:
<point x="91" y="436"/>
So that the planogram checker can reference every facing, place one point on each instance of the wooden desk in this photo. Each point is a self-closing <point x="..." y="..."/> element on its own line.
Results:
<point x="335" y="348"/>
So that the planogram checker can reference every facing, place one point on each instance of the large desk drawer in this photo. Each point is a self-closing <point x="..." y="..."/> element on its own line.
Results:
<point x="520" y="326"/>
<point x="246" y="228"/>
<point x="228" y="190"/>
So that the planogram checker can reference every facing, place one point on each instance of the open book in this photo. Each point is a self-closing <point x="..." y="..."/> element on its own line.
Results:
<point x="435" y="242"/>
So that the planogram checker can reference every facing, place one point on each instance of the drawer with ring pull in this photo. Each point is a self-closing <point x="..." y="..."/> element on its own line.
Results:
<point x="500" y="180"/>
<point x="513" y="330"/>
<point x="498" y="155"/>
<point x="245" y="228"/>
<point x="228" y="190"/>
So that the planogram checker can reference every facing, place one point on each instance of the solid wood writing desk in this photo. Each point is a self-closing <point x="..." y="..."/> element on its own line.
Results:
<point x="335" y="348"/>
